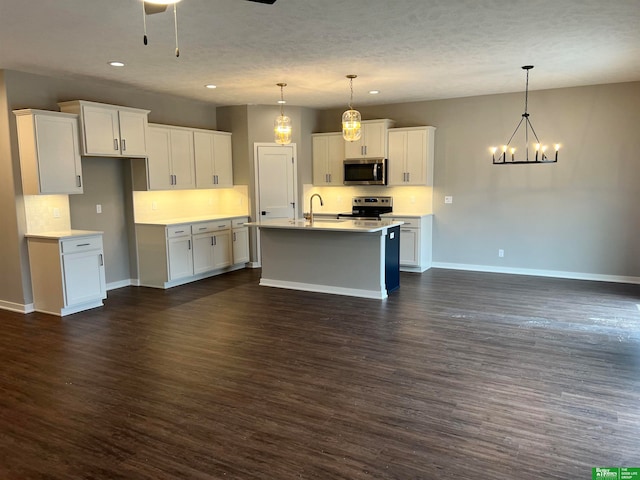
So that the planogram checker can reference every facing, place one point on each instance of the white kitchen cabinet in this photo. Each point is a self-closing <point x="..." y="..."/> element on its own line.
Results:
<point x="110" y="130"/>
<point x="49" y="152"/>
<point x="415" y="242"/>
<point x="211" y="250"/>
<point x="170" y="255"/>
<point x="328" y="158"/>
<point x="373" y="141"/>
<point x="213" y="161"/>
<point x="170" y="163"/>
<point x="411" y="156"/>
<point x="240" y="241"/>
<point x="67" y="273"/>
<point x="180" y="257"/>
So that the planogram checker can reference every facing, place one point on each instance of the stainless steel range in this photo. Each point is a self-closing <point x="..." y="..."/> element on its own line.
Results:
<point x="367" y="208"/>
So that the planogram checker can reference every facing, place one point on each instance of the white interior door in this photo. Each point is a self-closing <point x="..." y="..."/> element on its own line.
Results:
<point x="276" y="182"/>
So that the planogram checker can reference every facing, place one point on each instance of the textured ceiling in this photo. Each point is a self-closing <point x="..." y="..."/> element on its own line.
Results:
<point x="408" y="49"/>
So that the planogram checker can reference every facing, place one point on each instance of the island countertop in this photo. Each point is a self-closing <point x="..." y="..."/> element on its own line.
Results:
<point x="331" y="225"/>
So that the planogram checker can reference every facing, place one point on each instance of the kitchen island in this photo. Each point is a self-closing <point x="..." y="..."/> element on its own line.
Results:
<point x="359" y="258"/>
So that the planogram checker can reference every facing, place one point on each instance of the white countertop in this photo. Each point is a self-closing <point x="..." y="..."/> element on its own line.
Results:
<point x="63" y="234"/>
<point x="342" y="225"/>
<point x="181" y="220"/>
<point x="403" y="214"/>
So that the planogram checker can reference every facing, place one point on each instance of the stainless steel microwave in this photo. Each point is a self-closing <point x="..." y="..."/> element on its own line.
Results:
<point x="365" y="171"/>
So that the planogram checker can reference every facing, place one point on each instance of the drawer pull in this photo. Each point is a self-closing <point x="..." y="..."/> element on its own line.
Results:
<point x="179" y="231"/>
<point x="83" y="244"/>
<point x="222" y="226"/>
<point x="202" y="228"/>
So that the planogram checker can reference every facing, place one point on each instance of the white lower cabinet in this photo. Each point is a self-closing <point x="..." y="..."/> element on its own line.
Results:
<point x="67" y="273"/>
<point x="415" y="242"/>
<point x="170" y="255"/>
<point x="240" y="241"/>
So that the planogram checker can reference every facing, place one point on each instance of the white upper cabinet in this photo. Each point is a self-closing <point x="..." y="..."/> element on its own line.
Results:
<point x="170" y="162"/>
<point x="328" y="158"/>
<point x="213" y="159"/>
<point x="49" y="152"/>
<point x="411" y="156"/>
<point x="373" y="141"/>
<point x="110" y="130"/>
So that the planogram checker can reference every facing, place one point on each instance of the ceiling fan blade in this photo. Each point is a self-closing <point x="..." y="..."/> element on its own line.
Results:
<point x="151" y="8"/>
<point x="270" y="2"/>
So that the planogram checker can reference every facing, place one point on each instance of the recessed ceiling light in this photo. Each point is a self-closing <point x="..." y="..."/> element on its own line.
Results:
<point x="210" y="85"/>
<point x="374" y="92"/>
<point x="116" y="64"/>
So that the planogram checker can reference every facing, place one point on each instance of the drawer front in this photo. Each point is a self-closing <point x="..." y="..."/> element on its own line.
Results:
<point x="178" y="231"/>
<point x="222" y="225"/>
<point x="203" y="227"/>
<point x="81" y="244"/>
<point x="239" y="222"/>
<point x="408" y="222"/>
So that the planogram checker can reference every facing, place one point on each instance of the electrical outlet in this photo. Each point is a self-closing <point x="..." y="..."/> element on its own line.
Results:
<point x="448" y="199"/>
<point x="98" y="208"/>
<point x="56" y="212"/>
<point x="412" y="199"/>
<point x="500" y="252"/>
<point x="154" y="205"/>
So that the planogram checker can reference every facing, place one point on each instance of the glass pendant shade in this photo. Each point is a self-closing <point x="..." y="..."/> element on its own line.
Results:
<point x="282" y="130"/>
<point x="351" y="125"/>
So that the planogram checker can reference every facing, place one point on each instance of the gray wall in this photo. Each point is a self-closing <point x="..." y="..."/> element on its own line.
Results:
<point x="23" y="90"/>
<point x="104" y="181"/>
<point x="579" y="215"/>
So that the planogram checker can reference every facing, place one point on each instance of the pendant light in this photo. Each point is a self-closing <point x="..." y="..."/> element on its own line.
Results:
<point x="149" y="7"/>
<point x="282" y="124"/>
<point x="351" y="119"/>
<point x="507" y="154"/>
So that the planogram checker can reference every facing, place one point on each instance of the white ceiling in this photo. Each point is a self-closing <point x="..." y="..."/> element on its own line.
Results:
<point x="408" y="49"/>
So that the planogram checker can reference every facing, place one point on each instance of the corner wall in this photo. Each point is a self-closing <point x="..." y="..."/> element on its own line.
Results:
<point x="581" y="215"/>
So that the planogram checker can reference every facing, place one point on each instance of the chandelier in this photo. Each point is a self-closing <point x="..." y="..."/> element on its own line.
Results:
<point x="351" y="119"/>
<point x="507" y="155"/>
<point x="282" y="124"/>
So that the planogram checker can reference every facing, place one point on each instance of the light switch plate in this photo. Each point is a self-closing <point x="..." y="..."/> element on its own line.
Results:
<point x="448" y="199"/>
<point x="98" y="208"/>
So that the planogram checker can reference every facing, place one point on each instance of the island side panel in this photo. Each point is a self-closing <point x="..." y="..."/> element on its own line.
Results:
<point x="346" y="263"/>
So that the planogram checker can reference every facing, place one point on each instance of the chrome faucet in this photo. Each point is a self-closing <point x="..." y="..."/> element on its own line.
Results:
<point x="311" y="205"/>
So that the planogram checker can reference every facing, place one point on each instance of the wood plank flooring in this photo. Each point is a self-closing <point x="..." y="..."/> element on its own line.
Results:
<point x="457" y="375"/>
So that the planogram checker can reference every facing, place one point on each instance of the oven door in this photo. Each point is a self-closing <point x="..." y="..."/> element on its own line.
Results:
<point x="365" y="171"/>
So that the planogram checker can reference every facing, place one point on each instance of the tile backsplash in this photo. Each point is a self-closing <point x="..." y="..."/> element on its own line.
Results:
<point x="47" y="213"/>
<point x="159" y="205"/>
<point x="410" y="200"/>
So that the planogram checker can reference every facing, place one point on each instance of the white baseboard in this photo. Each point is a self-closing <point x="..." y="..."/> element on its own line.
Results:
<point x="538" y="273"/>
<point x="17" y="307"/>
<point x="253" y="265"/>
<point x="120" y="283"/>
<point x="312" y="287"/>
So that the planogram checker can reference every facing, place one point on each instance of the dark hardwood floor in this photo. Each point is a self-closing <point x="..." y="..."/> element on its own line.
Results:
<point x="457" y="375"/>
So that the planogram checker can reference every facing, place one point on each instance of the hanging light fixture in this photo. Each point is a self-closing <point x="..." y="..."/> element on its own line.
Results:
<point x="351" y="119"/>
<point x="282" y="124"/>
<point x="540" y="150"/>
<point x="149" y="7"/>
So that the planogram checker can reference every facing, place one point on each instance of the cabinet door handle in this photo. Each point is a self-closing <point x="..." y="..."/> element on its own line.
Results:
<point x="329" y="178"/>
<point x="124" y="144"/>
<point x="217" y="180"/>
<point x="189" y="244"/>
<point x="79" y="180"/>
<point x="101" y="261"/>
<point x="212" y="241"/>
<point x="215" y="240"/>
<point x="408" y="176"/>
<point x="115" y="144"/>
<point x="234" y="236"/>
